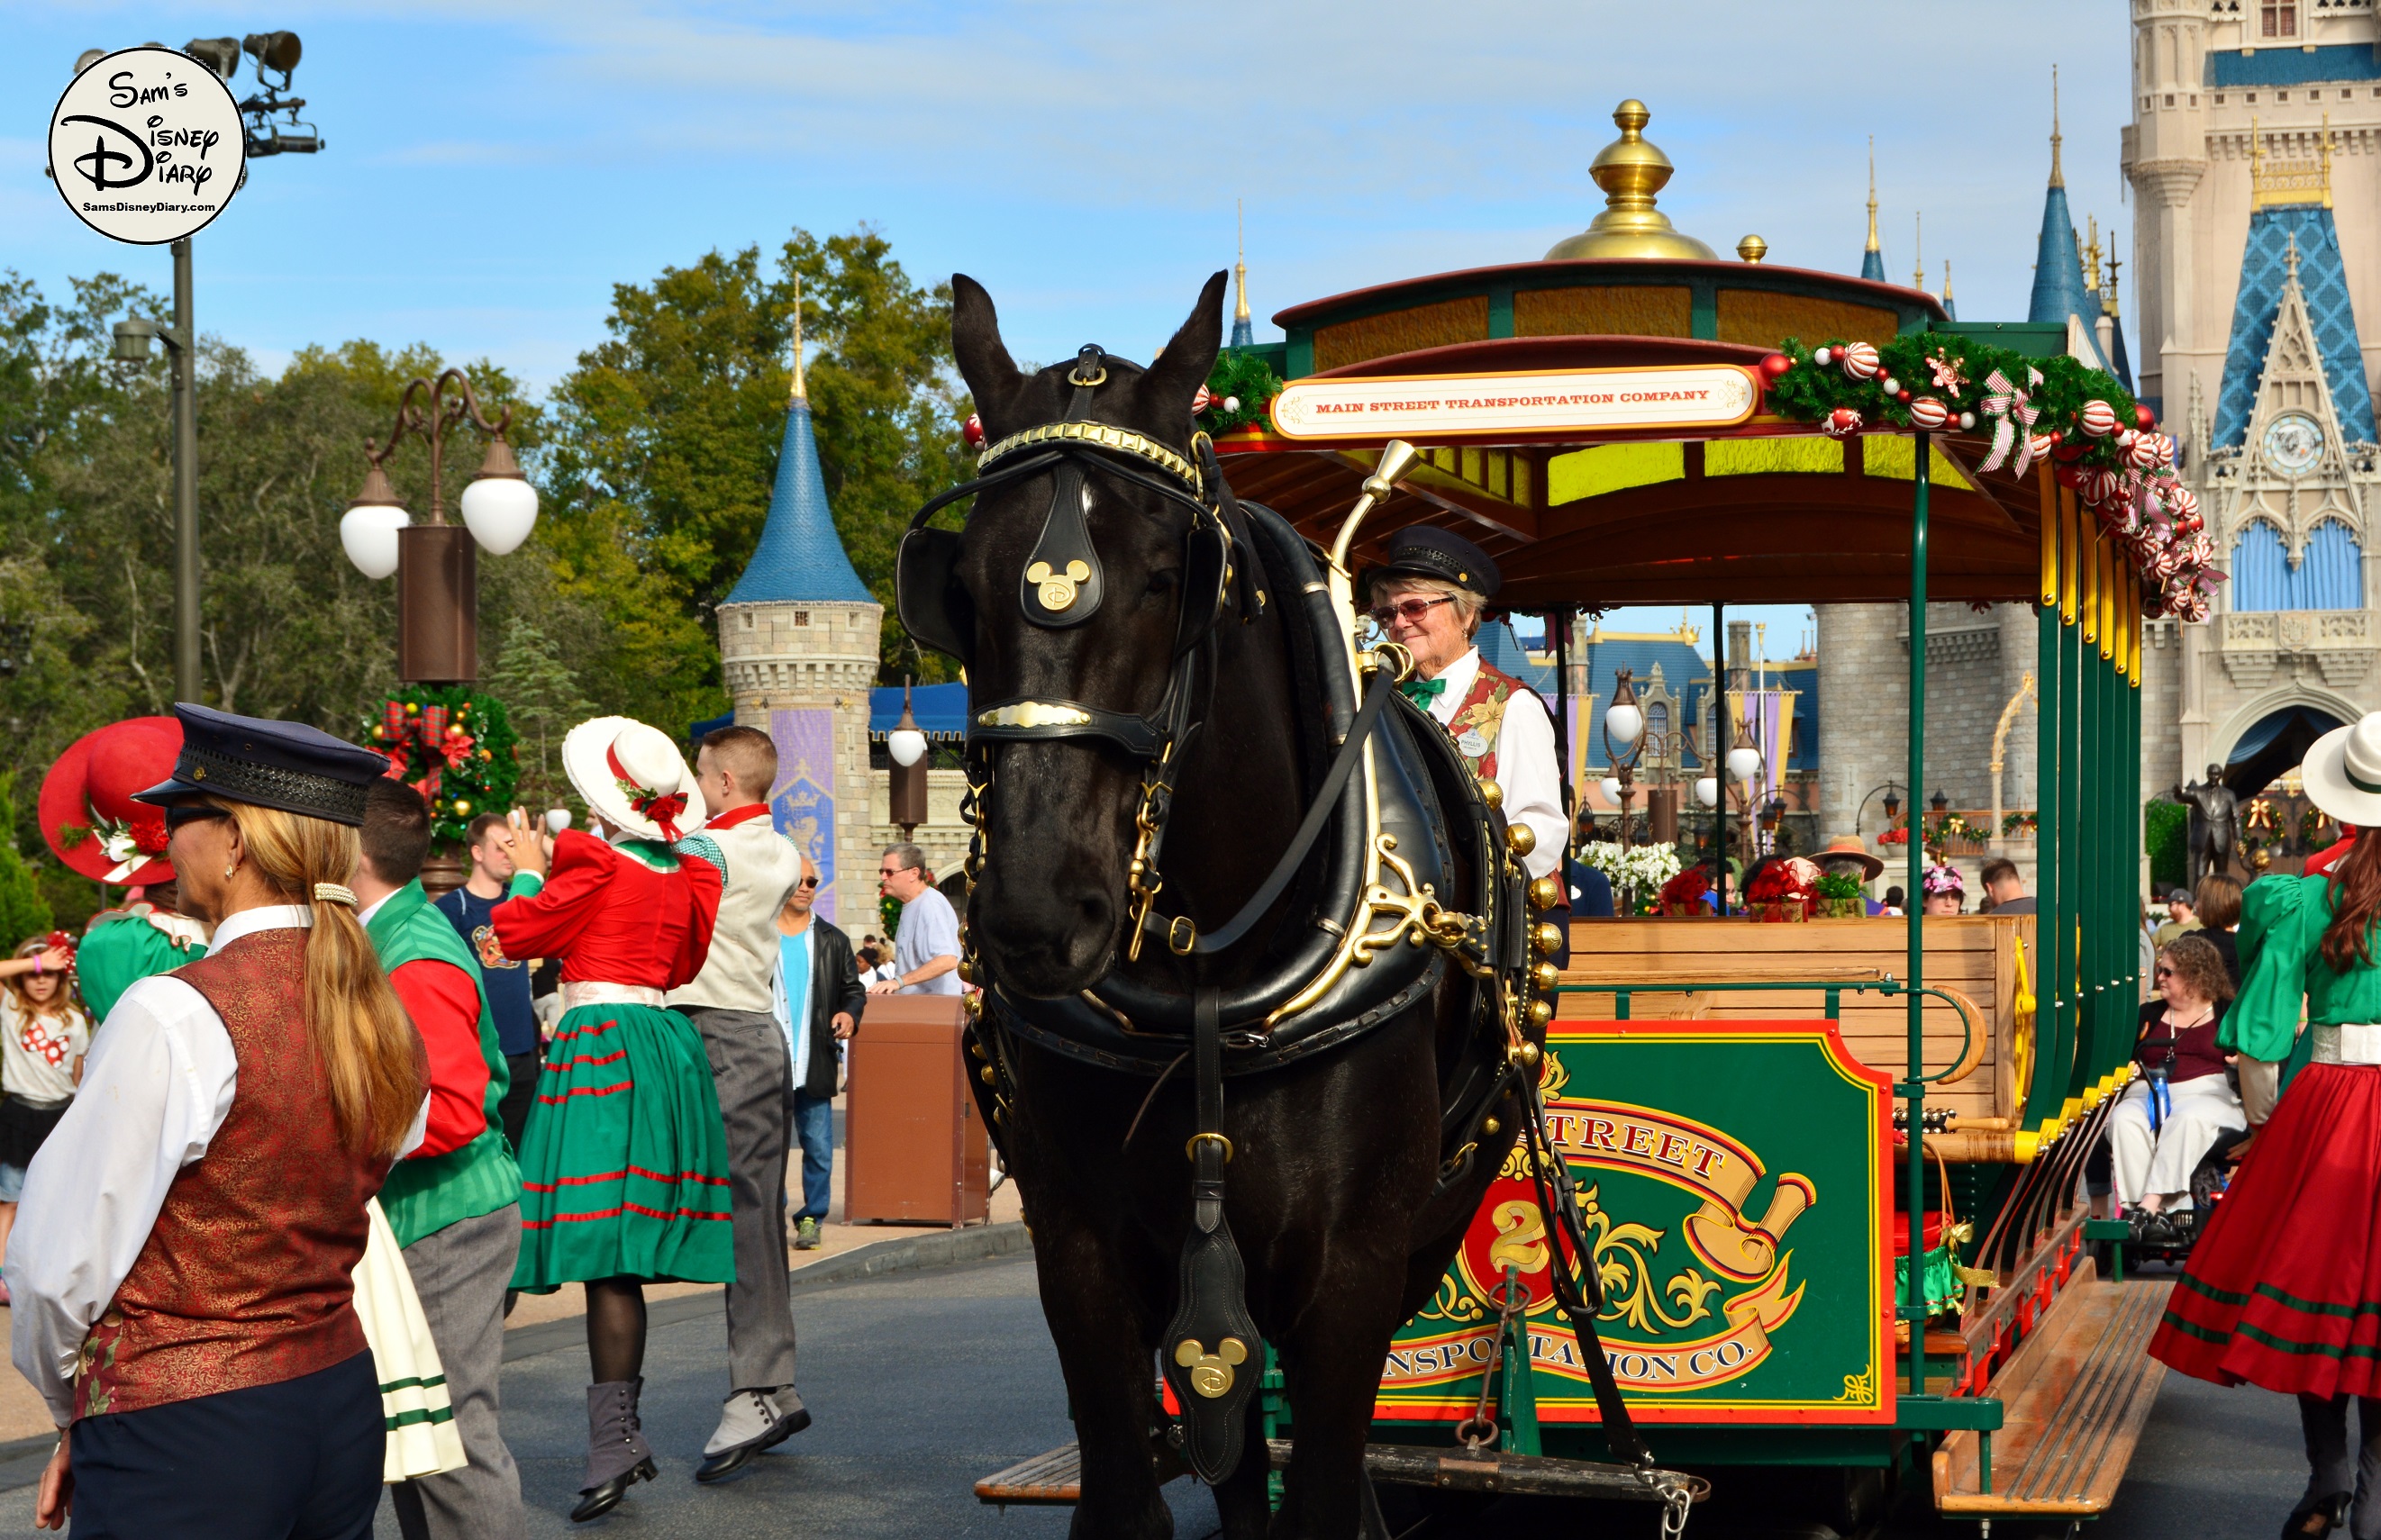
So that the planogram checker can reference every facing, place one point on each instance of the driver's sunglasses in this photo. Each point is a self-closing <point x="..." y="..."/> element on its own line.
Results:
<point x="807" y="882"/>
<point x="180" y="814"/>
<point x="1411" y="611"/>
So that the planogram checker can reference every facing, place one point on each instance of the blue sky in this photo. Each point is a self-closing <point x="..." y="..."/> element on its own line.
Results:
<point x="492" y="169"/>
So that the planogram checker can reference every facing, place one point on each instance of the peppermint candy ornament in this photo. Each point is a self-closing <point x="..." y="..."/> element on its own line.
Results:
<point x="2097" y="418"/>
<point x="1841" y="423"/>
<point x="972" y="432"/>
<point x="1927" y="412"/>
<point x="1859" y="361"/>
<point x="2099" y="487"/>
<point x="2141" y="450"/>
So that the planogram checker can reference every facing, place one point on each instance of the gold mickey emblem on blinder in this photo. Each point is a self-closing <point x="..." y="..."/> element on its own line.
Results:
<point x="1057" y="590"/>
<point x="1211" y="1373"/>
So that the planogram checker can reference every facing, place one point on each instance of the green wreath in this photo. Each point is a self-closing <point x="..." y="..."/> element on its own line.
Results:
<point x="454" y="745"/>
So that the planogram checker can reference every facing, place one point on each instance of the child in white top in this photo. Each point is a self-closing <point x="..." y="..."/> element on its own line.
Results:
<point x="44" y="1033"/>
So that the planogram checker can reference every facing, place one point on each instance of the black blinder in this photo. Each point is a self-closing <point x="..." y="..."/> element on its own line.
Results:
<point x="927" y="593"/>
<point x="1206" y="564"/>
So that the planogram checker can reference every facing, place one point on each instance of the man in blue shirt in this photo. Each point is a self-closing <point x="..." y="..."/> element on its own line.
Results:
<point x="817" y="1001"/>
<point x="496" y="875"/>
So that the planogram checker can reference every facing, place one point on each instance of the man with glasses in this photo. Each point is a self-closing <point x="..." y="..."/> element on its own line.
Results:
<point x="729" y="1004"/>
<point x="926" y="948"/>
<point x="1428" y="597"/>
<point x="817" y="1001"/>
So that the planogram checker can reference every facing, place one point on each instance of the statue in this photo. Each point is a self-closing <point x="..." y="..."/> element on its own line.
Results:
<point x="2214" y="825"/>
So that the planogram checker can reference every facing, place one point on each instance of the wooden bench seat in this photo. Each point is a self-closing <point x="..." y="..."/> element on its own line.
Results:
<point x="2077" y="1394"/>
<point x="1972" y="954"/>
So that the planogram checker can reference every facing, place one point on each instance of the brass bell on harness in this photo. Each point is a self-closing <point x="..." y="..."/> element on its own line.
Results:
<point x="967" y="970"/>
<point x="1541" y="1011"/>
<point x="1545" y="892"/>
<point x="1544" y="937"/>
<point x="1519" y="838"/>
<point x="1527" y="1054"/>
<point x="1492" y="793"/>
<point x="1545" y="975"/>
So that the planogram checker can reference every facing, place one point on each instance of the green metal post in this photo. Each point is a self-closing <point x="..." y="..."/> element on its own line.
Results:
<point x="2049" y="999"/>
<point x="2094" y="831"/>
<point x="2070" y="745"/>
<point x="1518" y="1395"/>
<point x="1914" y="1089"/>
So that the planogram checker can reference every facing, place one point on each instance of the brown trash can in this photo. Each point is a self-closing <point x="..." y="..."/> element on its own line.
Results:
<point x="914" y="1147"/>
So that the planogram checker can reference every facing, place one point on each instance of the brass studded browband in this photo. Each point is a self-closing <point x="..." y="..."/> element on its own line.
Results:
<point x="1100" y="435"/>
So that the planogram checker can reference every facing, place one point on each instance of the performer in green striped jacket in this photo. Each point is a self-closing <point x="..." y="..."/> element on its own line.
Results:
<point x="454" y="1202"/>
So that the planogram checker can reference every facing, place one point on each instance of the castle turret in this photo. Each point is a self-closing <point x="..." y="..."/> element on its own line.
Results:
<point x="1244" y="332"/>
<point x="797" y="640"/>
<point x="1872" y="259"/>
<point x="2166" y="158"/>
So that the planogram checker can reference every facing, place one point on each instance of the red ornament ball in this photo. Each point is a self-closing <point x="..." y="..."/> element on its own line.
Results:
<point x="1775" y="365"/>
<point x="1902" y="396"/>
<point x="2144" y="418"/>
<point x="972" y="432"/>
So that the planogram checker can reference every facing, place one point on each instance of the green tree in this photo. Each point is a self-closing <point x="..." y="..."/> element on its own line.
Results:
<point x="665" y="439"/>
<point x="23" y="912"/>
<point x="545" y="702"/>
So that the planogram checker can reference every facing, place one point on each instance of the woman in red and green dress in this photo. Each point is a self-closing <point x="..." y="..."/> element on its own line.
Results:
<point x="623" y="1162"/>
<point x="2280" y="1291"/>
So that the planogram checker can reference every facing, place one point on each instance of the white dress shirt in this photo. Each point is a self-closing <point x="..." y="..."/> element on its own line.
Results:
<point x="1526" y="771"/>
<point x="156" y="1087"/>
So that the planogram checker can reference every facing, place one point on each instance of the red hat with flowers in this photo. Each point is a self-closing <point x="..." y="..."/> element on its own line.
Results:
<point x="87" y="810"/>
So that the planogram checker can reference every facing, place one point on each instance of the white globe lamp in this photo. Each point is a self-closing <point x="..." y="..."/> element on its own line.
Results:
<point x="1611" y="786"/>
<point x="1707" y="789"/>
<point x="906" y="744"/>
<point x="1743" y="763"/>
<point x="500" y="506"/>
<point x="556" y="819"/>
<point x="368" y="534"/>
<point x="1625" y="721"/>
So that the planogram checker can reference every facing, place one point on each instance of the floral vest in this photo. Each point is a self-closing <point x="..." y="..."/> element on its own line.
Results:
<point x="1481" y="716"/>
<point x="244" y="1279"/>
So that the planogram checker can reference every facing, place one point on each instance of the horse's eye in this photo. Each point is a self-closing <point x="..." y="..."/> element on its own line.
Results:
<point x="1164" y="581"/>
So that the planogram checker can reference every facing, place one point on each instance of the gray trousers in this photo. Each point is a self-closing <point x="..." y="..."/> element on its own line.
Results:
<point x="754" y="1075"/>
<point x="460" y="1273"/>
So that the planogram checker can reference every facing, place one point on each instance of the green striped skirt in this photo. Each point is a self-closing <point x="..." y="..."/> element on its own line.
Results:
<point x="623" y="1162"/>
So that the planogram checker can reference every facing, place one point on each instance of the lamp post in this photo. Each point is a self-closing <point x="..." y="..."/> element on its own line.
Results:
<point x="277" y="53"/>
<point x="436" y="563"/>
<point x="1745" y="762"/>
<point x="1624" y="719"/>
<point x="906" y="746"/>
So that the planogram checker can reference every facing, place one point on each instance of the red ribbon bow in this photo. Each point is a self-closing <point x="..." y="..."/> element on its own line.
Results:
<point x="663" y="810"/>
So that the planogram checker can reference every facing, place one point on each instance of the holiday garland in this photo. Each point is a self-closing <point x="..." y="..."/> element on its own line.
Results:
<point x="1239" y="389"/>
<point x="454" y="745"/>
<point x="2100" y="442"/>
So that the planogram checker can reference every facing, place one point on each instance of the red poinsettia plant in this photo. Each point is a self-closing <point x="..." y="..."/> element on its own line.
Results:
<point x="1686" y="891"/>
<point x="1898" y="836"/>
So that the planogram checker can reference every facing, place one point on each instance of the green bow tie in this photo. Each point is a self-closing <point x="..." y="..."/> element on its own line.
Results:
<point x="1421" y="692"/>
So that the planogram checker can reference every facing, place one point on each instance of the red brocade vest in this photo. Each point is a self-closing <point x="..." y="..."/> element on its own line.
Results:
<point x="1483" y="713"/>
<point x="245" y="1278"/>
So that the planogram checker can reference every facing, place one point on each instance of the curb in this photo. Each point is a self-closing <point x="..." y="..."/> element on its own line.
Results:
<point x="877" y="1259"/>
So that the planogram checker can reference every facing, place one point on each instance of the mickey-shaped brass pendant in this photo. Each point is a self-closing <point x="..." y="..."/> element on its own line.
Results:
<point x="1057" y="590"/>
<point x="1211" y="1373"/>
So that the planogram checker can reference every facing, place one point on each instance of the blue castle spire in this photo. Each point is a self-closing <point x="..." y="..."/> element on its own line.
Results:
<point x="1873" y="260"/>
<point x="800" y="556"/>
<point x="2293" y="244"/>
<point x="2058" y="275"/>
<point x="1244" y="332"/>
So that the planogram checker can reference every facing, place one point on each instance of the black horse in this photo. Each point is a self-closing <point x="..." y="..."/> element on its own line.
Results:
<point x="1092" y="582"/>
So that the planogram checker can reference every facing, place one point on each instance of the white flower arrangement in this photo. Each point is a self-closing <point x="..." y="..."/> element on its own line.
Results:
<point x="1642" y="867"/>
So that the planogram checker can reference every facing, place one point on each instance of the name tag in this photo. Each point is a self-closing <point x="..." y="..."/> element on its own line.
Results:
<point x="1471" y="743"/>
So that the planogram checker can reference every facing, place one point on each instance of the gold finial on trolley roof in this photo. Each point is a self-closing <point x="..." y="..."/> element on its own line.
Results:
<point x="1630" y="170"/>
<point x="1751" y="249"/>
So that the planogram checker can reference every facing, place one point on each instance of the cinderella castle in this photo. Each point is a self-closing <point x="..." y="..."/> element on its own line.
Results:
<point x="2254" y="157"/>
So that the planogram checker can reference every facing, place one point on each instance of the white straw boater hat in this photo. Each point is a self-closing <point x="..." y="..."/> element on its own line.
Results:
<point x="2342" y="772"/>
<point x="631" y="776"/>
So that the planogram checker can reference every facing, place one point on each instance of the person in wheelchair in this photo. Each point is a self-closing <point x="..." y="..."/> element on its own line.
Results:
<point x="2182" y="1102"/>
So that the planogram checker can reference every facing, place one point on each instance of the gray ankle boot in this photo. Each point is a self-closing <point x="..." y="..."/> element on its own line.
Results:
<point x="616" y="1442"/>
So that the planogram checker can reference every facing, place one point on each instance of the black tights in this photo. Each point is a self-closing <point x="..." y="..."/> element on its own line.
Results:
<point x="616" y="1328"/>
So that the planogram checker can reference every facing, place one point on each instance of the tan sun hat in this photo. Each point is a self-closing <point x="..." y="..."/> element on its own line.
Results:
<point x="2342" y="772"/>
<point x="631" y="776"/>
<point x="1849" y="846"/>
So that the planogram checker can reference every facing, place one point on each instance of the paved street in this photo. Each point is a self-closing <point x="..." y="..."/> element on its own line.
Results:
<point x="923" y="1381"/>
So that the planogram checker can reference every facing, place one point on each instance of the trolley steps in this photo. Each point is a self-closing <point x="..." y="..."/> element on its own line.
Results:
<point x="1055" y="1478"/>
<point x="2077" y="1393"/>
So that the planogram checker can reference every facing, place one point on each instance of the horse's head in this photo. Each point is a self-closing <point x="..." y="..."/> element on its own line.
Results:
<point x="1069" y="586"/>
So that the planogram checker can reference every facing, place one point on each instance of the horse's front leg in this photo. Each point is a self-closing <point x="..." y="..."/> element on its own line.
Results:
<point x="1332" y="1363"/>
<point x="1110" y="1374"/>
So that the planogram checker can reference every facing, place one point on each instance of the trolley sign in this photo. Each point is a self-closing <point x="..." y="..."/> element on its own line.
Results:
<point x="147" y="146"/>
<point x="1432" y="407"/>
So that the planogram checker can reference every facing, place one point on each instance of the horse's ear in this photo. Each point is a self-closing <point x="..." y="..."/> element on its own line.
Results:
<point x="1174" y="380"/>
<point x="991" y="374"/>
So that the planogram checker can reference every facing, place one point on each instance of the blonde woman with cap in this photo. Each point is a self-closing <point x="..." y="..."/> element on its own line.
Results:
<point x="182" y="1265"/>
<point x="624" y="1161"/>
<point x="2279" y="1292"/>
